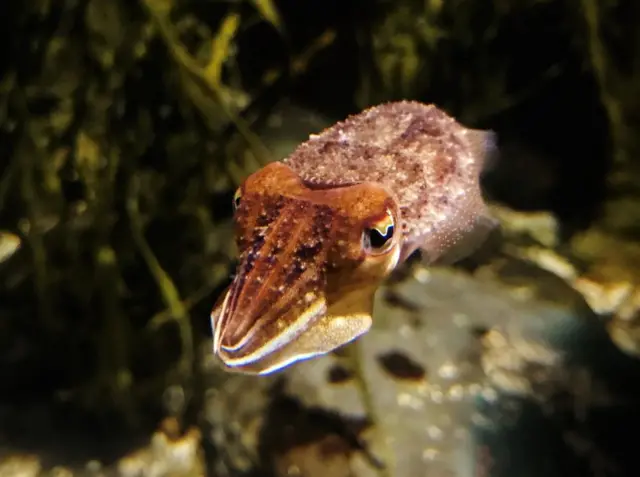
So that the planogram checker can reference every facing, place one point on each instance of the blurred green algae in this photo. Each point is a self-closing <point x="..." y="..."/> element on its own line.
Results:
<point x="126" y="127"/>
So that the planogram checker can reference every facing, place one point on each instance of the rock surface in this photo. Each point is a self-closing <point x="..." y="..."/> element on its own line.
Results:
<point x="502" y="371"/>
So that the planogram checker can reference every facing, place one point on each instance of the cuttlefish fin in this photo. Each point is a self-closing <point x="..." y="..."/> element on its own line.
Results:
<point x="476" y="219"/>
<point x="466" y="244"/>
<point x="484" y="147"/>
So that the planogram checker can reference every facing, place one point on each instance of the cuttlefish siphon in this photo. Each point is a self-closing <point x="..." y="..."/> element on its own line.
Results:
<point x="318" y="232"/>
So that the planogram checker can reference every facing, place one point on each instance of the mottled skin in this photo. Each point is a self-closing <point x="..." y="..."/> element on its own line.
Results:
<point x="319" y="231"/>
<point x="429" y="161"/>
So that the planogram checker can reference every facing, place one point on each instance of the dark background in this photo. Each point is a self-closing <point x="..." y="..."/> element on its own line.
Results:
<point x="104" y="107"/>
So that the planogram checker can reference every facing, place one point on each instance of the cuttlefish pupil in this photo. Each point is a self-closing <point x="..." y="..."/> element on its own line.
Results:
<point x="377" y="238"/>
<point x="310" y="262"/>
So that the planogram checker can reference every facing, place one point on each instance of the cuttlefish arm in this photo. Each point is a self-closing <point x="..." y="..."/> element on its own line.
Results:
<point x="310" y="262"/>
<point x="320" y="231"/>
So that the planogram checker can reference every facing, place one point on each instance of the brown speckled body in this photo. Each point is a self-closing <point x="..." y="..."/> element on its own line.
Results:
<point x="319" y="232"/>
<point x="424" y="157"/>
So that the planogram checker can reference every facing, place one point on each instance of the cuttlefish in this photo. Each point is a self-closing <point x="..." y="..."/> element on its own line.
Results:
<point x="318" y="232"/>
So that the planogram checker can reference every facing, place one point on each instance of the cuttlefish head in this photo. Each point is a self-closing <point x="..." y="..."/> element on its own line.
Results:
<point x="310" y="261"/>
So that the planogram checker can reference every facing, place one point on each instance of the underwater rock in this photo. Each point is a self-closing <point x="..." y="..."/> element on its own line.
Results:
<point x="486" y="348"/>
<point x="469" y="373"/>
<point x="23" y="465"/>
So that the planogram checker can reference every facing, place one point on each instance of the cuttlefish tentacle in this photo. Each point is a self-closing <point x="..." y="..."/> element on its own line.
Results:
<point x="263" y="287"/>
<point x="318" y="232"/>
<point x="277" y="275"/>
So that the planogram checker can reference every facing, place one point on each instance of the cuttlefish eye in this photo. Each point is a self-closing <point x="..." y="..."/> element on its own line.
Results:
<point x="236" y="198"/>
<point x="377" y="238"/>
